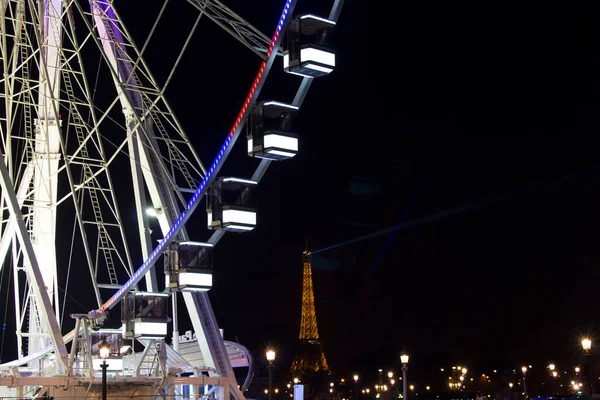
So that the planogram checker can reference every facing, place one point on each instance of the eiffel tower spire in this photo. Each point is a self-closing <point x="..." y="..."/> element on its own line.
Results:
<point x="310" y="356"/>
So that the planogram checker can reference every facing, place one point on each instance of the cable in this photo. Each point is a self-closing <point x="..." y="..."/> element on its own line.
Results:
<point x="72" y="298"/>
<point x="62" y="314"/>
<point x="226" y="318"/>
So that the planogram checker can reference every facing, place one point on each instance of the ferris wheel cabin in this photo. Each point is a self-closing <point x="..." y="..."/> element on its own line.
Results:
<point x="231" y="205"/>
<point x="268" y="131"/>
<point x="308" y="53"/>
<point x="188" y="267"/>
<point x="144" y="315"/>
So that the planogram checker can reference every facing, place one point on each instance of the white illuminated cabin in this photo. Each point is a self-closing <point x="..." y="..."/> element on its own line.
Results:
<point x="307" y="53"/>
<point x="145" y="315"/>
<point x="188" y="266"/>
<point x="231" y="205"/>
<point x="269" y="131"/>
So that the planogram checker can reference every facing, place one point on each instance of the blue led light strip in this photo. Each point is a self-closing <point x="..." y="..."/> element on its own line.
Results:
<point x="214" y="168"/>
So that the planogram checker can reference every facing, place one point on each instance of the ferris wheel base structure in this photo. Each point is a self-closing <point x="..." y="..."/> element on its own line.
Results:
<point x="117" y="387"/>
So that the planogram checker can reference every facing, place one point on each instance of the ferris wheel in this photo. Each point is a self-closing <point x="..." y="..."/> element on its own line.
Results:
<point x="66" y="148"/>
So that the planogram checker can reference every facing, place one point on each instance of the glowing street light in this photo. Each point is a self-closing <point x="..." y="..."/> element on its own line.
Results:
<point x="390" y="374"/>
<point x="524" y="370"/>
<point x="355" y="377"/>
<point x="104" y="350"/>
<point x="271" y="359"/>
<point x="551" y="367"/>
<point x="587" y="345"/>
<point x="404" y="362"/>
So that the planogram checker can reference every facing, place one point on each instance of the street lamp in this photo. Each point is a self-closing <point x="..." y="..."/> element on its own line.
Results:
<point x="404" y="361"/>
<point x="355" y="385"/>
<point x="586" y="343"/>
<point x="524" y="370"/>
<point x="104" y="350"/>
<point x="271" y="360"/>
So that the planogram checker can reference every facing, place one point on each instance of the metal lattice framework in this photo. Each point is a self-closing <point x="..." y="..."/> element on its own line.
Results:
<point x="310" y="356"/>
<point x="64" y="149"/>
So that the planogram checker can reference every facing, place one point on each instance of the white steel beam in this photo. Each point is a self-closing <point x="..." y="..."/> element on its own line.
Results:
<point x="47" y="156"/>
<point x="32" y="267"/>
<point x="110" y="50"/>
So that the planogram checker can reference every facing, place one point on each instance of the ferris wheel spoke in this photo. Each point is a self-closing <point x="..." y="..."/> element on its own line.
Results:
<point x="46" y="311"/>
<point x="235" y="25"/>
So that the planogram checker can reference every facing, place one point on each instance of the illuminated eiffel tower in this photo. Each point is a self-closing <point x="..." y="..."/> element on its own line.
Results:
<point x="309" y="359"/>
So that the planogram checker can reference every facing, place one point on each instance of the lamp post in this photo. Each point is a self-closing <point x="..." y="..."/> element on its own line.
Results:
<point x="404" y="361"/>
<point x="524" y="370"/>
<point x="587" y="351"/>
<point x="271" y="360"/>
<point x="552" y="368"/>
<point x="104" y="349"/>
<point x="355" y="386"/>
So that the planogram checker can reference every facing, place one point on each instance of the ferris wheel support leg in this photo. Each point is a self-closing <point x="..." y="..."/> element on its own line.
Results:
<point x="140" y="199"/>
<point x="9" y="229"/>
<point x="210" y="341"/>
<point x="46" y="311"/>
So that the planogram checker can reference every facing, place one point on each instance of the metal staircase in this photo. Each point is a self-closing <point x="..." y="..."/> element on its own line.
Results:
<point x="92" y="184"/>
<point x="153" y="361"/>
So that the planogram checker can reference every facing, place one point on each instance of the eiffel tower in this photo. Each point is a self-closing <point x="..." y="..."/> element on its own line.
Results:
<point x="309" y="359"/>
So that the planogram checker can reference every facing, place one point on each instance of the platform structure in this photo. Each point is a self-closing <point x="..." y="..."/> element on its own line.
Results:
<point x="65" y="148"/>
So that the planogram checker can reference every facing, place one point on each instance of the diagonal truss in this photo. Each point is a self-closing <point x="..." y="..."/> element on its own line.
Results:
<point x="235" y="25"/>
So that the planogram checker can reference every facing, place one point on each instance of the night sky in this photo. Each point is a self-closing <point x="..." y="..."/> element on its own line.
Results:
<point x="477" y="121"/>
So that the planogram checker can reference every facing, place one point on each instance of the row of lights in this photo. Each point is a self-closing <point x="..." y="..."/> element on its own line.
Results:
<point x="586" y="344"/>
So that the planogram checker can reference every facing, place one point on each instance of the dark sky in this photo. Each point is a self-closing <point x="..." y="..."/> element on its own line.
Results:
<point x="439" y="105"/>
